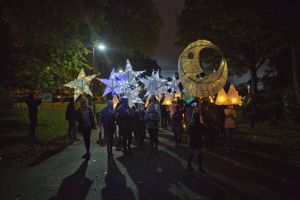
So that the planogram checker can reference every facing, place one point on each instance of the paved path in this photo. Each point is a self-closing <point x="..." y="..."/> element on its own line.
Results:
<point x="142" y="175"/>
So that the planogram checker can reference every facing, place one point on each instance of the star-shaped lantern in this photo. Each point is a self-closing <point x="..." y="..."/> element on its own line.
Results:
<point x="173" y="84"/>
<point x="81" y="84"/>
<point x="113" y="84"/>
<point x="129" y="76"/>
<point x="153" y="84"/>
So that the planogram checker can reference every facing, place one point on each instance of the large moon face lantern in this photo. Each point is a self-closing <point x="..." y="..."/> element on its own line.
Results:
<point x="192" y="75"/>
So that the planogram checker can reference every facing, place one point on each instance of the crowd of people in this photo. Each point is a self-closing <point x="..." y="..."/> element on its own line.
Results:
<point x="203" y="122"/>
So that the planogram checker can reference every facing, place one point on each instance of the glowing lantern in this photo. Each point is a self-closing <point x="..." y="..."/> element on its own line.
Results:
<point x="115" y="100"/>
<point x="211" y="99"/>
<point x="147" y="101"/>
<point x="233" y="96"/>
<point x="222" y="98"/>
<point x="167" y="101"/>
<point x="177" y="94"/>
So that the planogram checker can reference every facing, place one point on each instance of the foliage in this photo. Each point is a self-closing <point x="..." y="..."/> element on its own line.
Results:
<point x="131" y="26"/>
<point x="53" y="39"/>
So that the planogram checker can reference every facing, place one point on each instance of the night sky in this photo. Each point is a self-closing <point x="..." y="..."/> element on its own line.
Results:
<point x="167" y="53"/>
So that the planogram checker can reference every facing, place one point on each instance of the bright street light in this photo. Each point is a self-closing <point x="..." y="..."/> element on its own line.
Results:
<point x="101" y="46"/>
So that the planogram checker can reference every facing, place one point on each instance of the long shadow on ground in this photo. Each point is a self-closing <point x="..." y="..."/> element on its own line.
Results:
<point x="75" y="186"/>
<point x="116" y="187"/>
<point x="161" y="176"/>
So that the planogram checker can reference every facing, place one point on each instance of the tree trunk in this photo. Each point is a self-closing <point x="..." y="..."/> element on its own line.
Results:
<point x="296" y="76"/>
<point x="253" y="89"/>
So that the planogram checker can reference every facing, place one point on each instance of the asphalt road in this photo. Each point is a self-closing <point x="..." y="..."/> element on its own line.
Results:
<point x="142" y="175"/>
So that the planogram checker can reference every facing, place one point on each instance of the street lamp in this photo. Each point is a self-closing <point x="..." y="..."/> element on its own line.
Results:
<point x="101" y="47"/>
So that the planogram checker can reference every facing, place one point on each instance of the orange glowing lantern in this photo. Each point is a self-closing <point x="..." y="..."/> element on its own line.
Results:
<point x="147" y="101"/>
<point x="222" y="98"/>
<point x="177" y="94"/>
<point x="115" y="100"/>
<point x="167" y="101"/>
<point x="233" y="96"/>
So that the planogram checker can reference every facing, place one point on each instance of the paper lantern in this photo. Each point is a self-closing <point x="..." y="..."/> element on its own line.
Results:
<point x="147" y="101"/>
<point x="115" y="100"/>
<point x="177" y="94"/>
<point x="222" y="98"/>
<point x="167" y="101"/>
<point x="233" y="96"/>
<point x="192" y="75"/>
<point x="81" y="84"/>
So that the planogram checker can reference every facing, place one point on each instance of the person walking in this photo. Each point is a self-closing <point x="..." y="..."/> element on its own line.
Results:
<point x="71" y="117"/>
<point x="86" y="123"/>
<point x="195" y="131"/>
<point x="152" y="119"/>
<point x="229" y="125"/>
<point x="164" y="113"/>
<point x="209" y="117"/>
<point x="32" y="104"/>
<point x="124" y="124"/>
<point x="141" y="124"/>
<point x="177" y="127"/>
<point x="108" y="121"/>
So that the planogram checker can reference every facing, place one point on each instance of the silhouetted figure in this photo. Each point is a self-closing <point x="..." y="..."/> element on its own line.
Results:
<point x="75" y="186"/>
<point x="196" y="130"/>
<point x="86" y="123"/>
<point x="230" y="115"/>
<point x="124" y="124"/>
<point x="177" y="126"/>
<point x="152" y="119"/>
<point x="32" y="104"/>
<point x="141" y="124"/>
<point x="164" y="113"/>
<point x="210" y="119"/>
<point x="71" y="117"/>
<point x="134" y="125"/>
<point x="108" y="120"/>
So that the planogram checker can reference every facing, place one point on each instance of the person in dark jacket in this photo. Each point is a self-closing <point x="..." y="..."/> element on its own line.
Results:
<point x="134" y="124"/>
<point x="124" y="124"/>
<point x="141" y="124"/>
<point x="86" y="123"/>
<point x="195" y="132"/>
<point x="71" y="117"/>
<point x="152" y="118"/>
<point x="32" y="104"/>
<point x="108" y="121"/>
<point x="177" y="127"/>
<point x="164" y="113"/>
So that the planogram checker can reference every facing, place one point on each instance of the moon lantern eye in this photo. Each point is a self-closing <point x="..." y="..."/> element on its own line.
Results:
<point x="190" y="55"/>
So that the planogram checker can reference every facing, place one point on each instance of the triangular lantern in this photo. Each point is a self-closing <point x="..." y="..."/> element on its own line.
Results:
<point x="167" y="101"/>
<point x="222" y="98"/>
<point x="233" y="96"/>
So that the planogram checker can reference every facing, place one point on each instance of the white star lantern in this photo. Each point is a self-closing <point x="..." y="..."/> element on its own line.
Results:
<point x="173" y="84"/>
<point x="81" y="84"/>
<point x="113" y="84"/>
<point x="153" y="84"/>
<point x="129" y="76"/>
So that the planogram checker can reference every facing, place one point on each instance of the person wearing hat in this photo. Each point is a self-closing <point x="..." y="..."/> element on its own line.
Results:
<point x="86" y="123"/>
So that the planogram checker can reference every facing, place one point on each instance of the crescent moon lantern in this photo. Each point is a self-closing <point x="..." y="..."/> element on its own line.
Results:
<point x="189" y="71"/>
